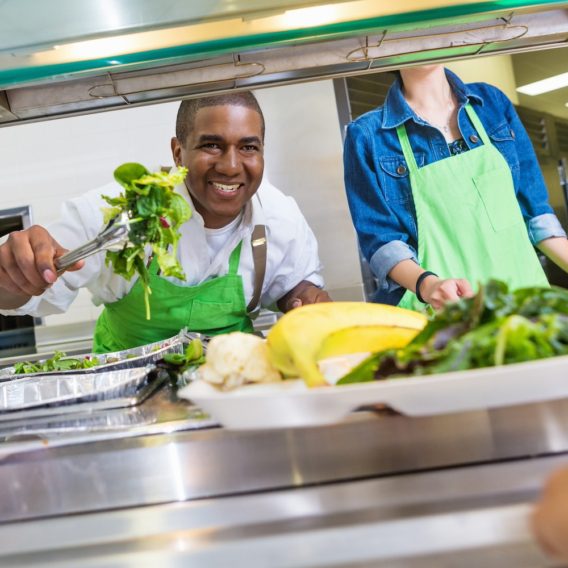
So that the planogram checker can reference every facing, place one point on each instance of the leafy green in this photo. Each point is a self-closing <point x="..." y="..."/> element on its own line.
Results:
<point x="495" y="327"/>
<point x="193" y="355"/>
<point x="155" y="214"/>
<point x="56" y="363"/>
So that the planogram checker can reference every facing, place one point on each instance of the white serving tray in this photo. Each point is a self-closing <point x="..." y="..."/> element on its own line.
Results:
<point x="291" y="404"/>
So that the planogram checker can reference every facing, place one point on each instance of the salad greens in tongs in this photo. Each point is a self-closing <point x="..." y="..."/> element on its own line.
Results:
<point x="155" y="213"/>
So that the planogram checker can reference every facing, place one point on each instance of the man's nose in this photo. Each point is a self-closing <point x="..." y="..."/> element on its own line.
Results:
<point x="229" y="162"/>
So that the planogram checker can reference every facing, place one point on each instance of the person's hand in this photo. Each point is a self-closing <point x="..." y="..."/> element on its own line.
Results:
<point x="304" y="293"/>
<point x="310" y="295"/>
<point x="27" y="262"/>
<point x="550" y="517"/>
<point x="438" y="292"/>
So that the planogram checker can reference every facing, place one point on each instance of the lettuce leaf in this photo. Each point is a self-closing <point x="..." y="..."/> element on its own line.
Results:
<point x="156" y="212"/>
<point x="495" y="327"/>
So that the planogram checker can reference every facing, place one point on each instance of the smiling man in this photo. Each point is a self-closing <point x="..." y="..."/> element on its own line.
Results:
<point x="247" y="245"/>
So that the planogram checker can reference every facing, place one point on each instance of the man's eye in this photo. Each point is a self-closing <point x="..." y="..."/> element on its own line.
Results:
<point x="250" y="148"/>
<point x="210" y="145"/>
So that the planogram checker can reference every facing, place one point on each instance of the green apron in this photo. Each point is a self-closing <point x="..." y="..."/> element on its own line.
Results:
<point x="216" y="306"/>
<point x="469" y="221"/>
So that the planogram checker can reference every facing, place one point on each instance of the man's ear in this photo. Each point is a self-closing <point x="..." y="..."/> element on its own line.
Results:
<point x="176" y="151"/>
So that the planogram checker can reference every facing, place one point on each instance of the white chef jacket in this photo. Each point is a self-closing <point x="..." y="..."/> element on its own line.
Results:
<point x="292" y="252"/>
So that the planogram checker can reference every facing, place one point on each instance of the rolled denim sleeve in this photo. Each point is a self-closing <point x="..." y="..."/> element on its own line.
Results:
<point x="383" y="240"/>
<point x="544" y="227"/>
<point x="383" y="261"/>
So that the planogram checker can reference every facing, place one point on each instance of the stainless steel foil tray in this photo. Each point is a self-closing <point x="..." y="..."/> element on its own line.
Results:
<point x="160" y="413"/>
<point x="126" y="359"/>
<point x="64" y="393"/>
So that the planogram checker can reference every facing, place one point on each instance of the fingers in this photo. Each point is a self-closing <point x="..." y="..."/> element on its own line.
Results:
<point x="17" y="261"/>
<point x="77" y="266"/>
<point x="26" y="262"/>
<point x="45" y="249"/>
<point x="464" y="288"/>
<point x="539" y="527"/>
<point x="445" y="291"/>
<point x="310" y="295"/>
<point x="550" y="518"/>
<point x="60" y="252"/>
<point x="322" y="296"/>
<point x="294" y="303"/>
<point x="441" y="292"/>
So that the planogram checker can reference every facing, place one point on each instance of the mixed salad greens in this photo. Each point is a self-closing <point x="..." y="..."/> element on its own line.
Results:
<point x="193" y="355"/>
<point x="155" y="214"/>
<point x="59" y="362"/>
<point x="495" y="327"/>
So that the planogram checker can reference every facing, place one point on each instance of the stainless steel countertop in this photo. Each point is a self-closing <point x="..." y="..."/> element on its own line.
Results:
<point x="296" y="492"/>
<point x="459" y="517"/>
<point x="103" y="469"/>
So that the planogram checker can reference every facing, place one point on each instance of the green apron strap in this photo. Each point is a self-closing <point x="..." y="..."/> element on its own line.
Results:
<point x="234" y="259"/>
<point x="477" y="124"/>
<point x="406" y="148"/>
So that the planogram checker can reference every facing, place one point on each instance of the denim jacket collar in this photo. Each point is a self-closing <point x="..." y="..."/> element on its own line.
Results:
<point x="397" y="110"/>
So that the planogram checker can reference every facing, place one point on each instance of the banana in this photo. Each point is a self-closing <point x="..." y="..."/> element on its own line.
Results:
<point x="367" y="338"/>
<point x="298" y="339"/>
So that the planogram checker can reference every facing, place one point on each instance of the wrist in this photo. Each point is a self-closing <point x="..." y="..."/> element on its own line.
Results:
<point x="12" y="301"/>
<point x="424" y="285"/>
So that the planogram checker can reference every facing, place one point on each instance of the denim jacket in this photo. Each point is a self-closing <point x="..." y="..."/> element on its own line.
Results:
<point x="378" y="186"/>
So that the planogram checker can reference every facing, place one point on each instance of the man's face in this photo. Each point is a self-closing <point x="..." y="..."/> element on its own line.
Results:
<point x="224" y="156"/>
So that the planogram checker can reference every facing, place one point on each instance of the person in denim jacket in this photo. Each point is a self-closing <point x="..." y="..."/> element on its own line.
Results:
<point x="445" y="191"/>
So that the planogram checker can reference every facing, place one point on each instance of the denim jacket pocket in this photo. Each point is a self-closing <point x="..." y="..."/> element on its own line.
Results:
<point x="503" y="138"/>
<point x="395" y="179"/>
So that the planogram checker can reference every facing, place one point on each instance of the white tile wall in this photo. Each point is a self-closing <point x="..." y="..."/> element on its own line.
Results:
<point x="47" y="162"/>
<point x="44" y="163"/>
<point x="304" y="158"/>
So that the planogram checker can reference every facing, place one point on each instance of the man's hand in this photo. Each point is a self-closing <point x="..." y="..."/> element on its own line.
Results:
<point x="27" y="265"/>
<point x="438" y="293"/>
<point x="550" y="517"/>
<point x="304" y="293"/>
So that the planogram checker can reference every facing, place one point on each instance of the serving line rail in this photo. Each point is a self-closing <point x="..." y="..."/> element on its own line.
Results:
<point x="467" y="517"/>
<point x="209" y="494"/>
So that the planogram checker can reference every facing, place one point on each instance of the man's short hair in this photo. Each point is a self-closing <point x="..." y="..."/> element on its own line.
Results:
<point x="189" y="107"/>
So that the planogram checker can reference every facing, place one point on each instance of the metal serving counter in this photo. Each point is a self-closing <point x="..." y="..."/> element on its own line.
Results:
<point x="378" y="489"/>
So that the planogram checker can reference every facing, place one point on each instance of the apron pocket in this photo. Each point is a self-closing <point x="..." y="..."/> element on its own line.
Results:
<point x="206" y="316"/>
<point x="496" y="191"/>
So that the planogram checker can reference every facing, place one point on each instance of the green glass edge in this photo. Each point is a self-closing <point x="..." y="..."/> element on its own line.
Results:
<point x="12" y="77"/>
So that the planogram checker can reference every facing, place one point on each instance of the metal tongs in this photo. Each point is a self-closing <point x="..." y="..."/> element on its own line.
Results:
<point x="114" y="235"/>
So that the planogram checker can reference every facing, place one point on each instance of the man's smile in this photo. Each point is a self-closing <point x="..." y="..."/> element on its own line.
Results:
<point x="225" y="188"/>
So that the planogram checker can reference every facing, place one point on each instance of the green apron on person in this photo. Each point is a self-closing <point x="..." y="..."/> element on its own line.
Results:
<point x="468" y="218"/>
<point x="215" y="306"/>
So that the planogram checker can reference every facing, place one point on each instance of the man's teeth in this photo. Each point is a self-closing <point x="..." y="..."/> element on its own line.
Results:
<point x="226" y="188"/>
